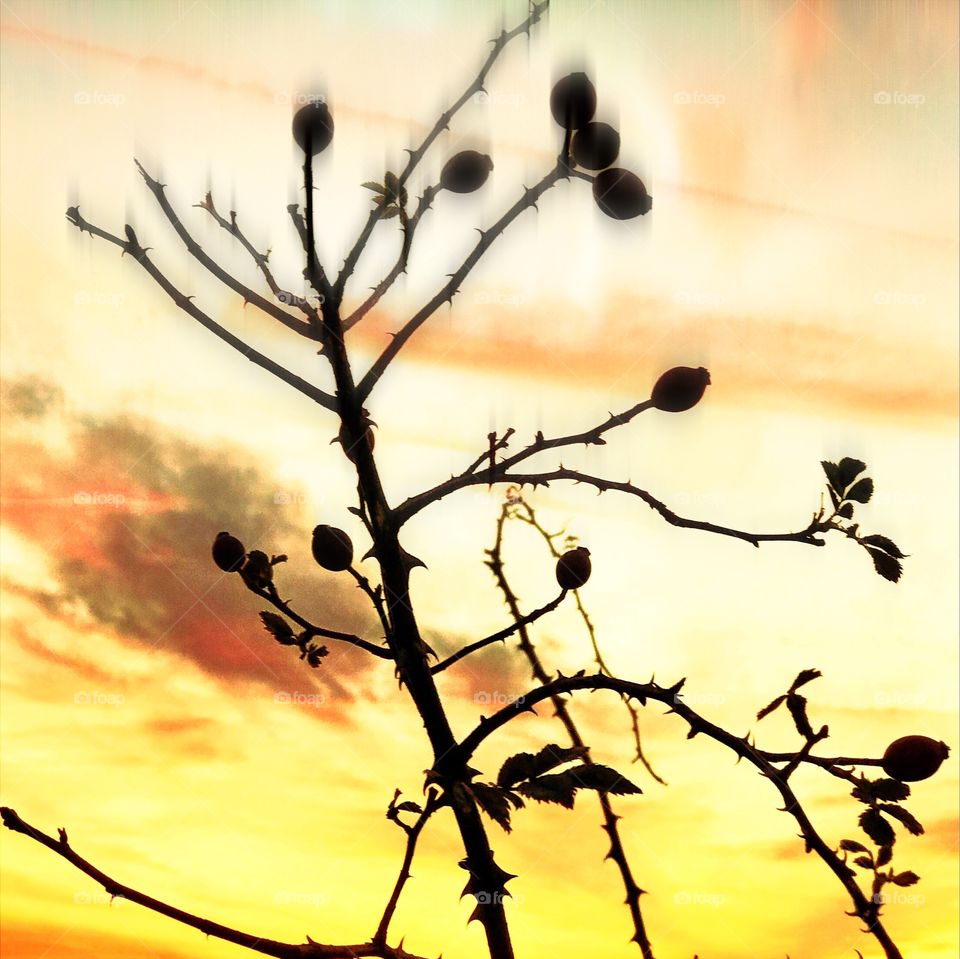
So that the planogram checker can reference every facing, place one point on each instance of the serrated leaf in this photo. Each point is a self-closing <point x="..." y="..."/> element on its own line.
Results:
<point x="877" y="828"/>
<point x="602" y="779"/>
<point x="797" y="705"/>
<point x="803" y="677"/>
<point x="864" y="862"/>
<point x="554" y="787"/>
<point x="908" y="820"/>
<point x="409" y="806"/>
<point x="834" y="497"/>
<point x="882" y="542"/>
<point x="884" y="855"/>
<point x="907" y="878"/>
<point x="390" y="213"/>
<point x="376" y="187"/>
<point x="846" y="511"/>
<point x="889" y="568"/>
<point x="527" y="765"/>
<point x="770" y="707"/>
<point x="848" y="469"/>
<point x="494" y="802"/>
<point x="278" y="627"/>
<point x="833" y="474"/>
<point x="851" y="845"/>
<point x="391" y="182"/>
<point x="861" y="491"/>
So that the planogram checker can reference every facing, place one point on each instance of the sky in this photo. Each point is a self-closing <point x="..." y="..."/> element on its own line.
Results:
<point x="802" y="245"/>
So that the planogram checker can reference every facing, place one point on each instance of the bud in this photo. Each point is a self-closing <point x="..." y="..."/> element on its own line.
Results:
<point x="332" y="548"/>
<point x="228" y="552"/>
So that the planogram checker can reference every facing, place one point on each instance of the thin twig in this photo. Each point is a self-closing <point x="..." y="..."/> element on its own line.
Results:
<point x="452" y="287"/>
<point x="198" y="253"/>
<point x="267" y="947"/>
<point x="864" y="909"/>
<point x="415" y="156"/>
<point x="132" y="246"/>
<point x="376" y="598"/>
<point x="502" y="635"/>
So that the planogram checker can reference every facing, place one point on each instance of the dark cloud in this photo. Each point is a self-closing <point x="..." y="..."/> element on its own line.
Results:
<point x="129" y="515"/>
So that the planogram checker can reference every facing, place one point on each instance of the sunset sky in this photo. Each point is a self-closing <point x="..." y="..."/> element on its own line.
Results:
<point x="802" y="245"/>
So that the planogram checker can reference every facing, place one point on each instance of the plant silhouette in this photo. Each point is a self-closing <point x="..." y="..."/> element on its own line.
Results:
<point x="558" y="772"/>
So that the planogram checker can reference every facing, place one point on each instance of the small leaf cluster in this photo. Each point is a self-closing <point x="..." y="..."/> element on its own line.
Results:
<point x="283" y="633"/>
<point x="389" y="195"/>
<point x="847" y="487"/>
<point x="532" y="776"/>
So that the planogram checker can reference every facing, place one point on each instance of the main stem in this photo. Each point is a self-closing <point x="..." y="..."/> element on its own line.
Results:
<point x="405" y="641"/>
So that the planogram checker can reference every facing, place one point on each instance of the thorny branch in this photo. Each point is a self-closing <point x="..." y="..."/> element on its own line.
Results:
<point x="267" y="947"/>
<point x="617" y="852"/>
<point x="132" y="246"/>
<point x="864" y="909"/>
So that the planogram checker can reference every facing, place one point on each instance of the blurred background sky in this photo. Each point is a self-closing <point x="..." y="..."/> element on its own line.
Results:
<point x="803" y="246"/>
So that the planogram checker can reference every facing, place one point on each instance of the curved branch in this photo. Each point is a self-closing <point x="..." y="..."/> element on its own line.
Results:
<point x="132" y="246"/>
<point x="266" y="947"/>
<point x="864" y="909"/>
<point x="270" y="594"/>
<point x="809" y="535"/>
<point x="261" y="260"/>
<point x="443" y="123"/>
<point x="376" y="598"/>
<point x="452" y="287"/>
<point x="197" y="252"/>
<point x="502" y="635"/>
<point x="409" y="228"/>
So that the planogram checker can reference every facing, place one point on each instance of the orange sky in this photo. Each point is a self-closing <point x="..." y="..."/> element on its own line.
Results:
<point x="802" y="245"/>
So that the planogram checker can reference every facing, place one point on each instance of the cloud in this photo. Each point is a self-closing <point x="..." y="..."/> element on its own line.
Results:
<point x="127" y="513"/>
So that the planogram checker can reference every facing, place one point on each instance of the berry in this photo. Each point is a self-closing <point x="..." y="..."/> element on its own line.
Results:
<point x="912" y="758"/>
<point x="680" y="389"/>
<point x="573" y="568"/>
<point x="313" y="125"/>
<point x="621" y="194"/>
<point x="465" y="172"/>
<point x="228" y="552"/>
<point x="595" y="146"/>
<point x="573" y="101"/>
<point x="332" y="548"/>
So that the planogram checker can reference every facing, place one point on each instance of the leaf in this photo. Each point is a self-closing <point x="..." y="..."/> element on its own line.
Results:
<point x="409" y="806"/>
<point x="888" y="567"/>
<point x="877" y="828"/>
<point x="833" y="474"/>
<point x="834" y="497"/>
<point x="848" y="470"/>
<point x="846" y="511"/>
<point x="884" y="855"/>
<point x="907" y="819"/>
<point x="851" y="845"/>
<point x="861" y="491"/>
<point x="376" y="187"/>
<point x="494" y="802"/>
<point x="391" y="182"/>
<point x="770" y="707"/>
<point x="527" y="765"/>
<point x="887" y="545"/>
<point x="278" y="627"/>
<point x="886" y="790"/>
<point x="391" y="212"/>
<point x="602" y="779"/>
<point x="905" y="878"/>
<point x="797" y="705"/>
<point x="554" y="787"/>
<point x="864" y="862"/>
<point x="805" y="676"/>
